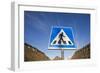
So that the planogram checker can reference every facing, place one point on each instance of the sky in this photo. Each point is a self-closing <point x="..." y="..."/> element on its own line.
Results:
<point x="38" y="26"/>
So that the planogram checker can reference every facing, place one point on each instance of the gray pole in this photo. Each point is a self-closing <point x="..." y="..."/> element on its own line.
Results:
<point x="62" y="54"/>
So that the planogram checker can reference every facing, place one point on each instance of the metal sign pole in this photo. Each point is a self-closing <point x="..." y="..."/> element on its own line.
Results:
<point x="62" y="54"/>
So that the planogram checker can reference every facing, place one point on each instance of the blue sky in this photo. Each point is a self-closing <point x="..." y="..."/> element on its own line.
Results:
<point x="37" y="29"/>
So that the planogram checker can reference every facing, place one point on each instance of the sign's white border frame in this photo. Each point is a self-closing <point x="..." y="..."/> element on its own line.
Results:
<point x="17" y="51"/>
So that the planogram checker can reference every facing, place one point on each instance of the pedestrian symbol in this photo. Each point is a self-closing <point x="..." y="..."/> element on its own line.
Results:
<point x="61" y="38"/>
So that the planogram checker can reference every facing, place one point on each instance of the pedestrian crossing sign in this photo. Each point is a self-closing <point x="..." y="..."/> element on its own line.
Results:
<point x="61" y="38"/>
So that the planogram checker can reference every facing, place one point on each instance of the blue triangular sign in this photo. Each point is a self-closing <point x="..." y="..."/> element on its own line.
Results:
<point x="61" y="38"/>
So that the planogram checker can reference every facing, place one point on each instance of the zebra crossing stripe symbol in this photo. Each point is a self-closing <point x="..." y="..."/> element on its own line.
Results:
<point x="61" y="37"/>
